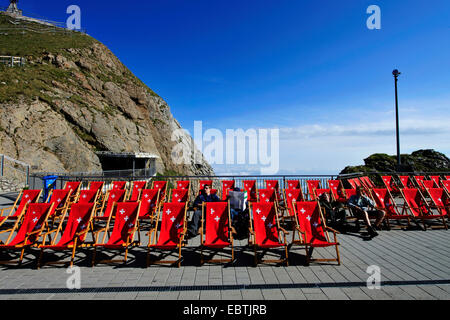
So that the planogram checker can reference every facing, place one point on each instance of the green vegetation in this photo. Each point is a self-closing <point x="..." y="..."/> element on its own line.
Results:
<point x="20" y="42"/>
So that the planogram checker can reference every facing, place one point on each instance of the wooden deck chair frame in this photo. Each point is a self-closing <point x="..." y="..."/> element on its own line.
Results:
<point x="36" y="233"/>
<point x="14" y="207"/>
<point x="303" y="241"/>
<point x="67" y="203"/>
<point x="75" y="246"/>
<point x="422" y="217"/>
<point x="153" y="240"/>
<point x="59" y="212"/>
<point x="231" y="231"/>
<point x="252" y="235"/>
<point x="130" y="240"/>
<point x="389" y="217"/>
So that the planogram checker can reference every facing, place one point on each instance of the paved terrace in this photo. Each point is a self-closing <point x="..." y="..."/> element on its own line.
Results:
<point x="414" y="265"/>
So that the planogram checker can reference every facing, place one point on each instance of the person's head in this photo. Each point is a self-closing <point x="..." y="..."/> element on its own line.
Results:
<point x="207" y="189"/>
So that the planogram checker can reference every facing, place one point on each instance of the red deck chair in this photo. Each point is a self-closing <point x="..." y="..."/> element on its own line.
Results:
<point x="252" y="190"/>
<point x="179" y="195"/>
<point x="319" y="192"/>
<point x="427" y="184"/>
<point x="265" y="231"/>
<point x="122" y="237"/>
<point x="138" y="186"/>
<point x="267" y="196"/>
<point x="293" y="184"/>
<point x="312" y="184"/>
<point x="227" y="185"/>
<point x="447" y="178"/>
<point x="446" y="185"/>
<point x="60" y="200"/>
<point x="112" y="197"/>
<point x="440" y="200"/>
<point x="87" y="196"/>
<point x="385" y="202"/>
<point x="367" y="182"/>
<point x="312" y="231"/>
<point x="96" y="186"/>
<point x="171" y="234"/>
<point x="437" y="180"/>
<point x="203" y="183"/>
<point x="75" y="186"/>
<point x="390" y="184"/>
<point x="119" y="185"/>
<point x="419" y="180"/>
<point x="162" y="186"/>
<point x="29" y="231"/>
<point x="352" y="183"/>
<point x="24" y="198"/>
<point x="149" y="204"/>
<point x="406" y="182"/>
<point x="418" y="207"/>
<point x="290" y="196"/>
<point x="274" y="184"/>
<point x="335" y="186"/>
<point x="74" y="236"/>
<point x="362" y="181"/>
<point x="216" y="230"/>
<point x="183" y="185"/>
<point x="358" y="183"/>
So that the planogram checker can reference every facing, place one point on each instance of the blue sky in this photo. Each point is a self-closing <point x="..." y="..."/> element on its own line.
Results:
<point x="309" y="68"/>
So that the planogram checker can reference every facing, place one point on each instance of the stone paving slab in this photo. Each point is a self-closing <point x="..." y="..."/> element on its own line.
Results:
<point x="415" y="265"/>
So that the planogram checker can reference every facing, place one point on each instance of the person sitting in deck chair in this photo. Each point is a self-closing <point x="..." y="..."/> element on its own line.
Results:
<point x="335" y="212"/>
<point x="204" y="196"/>
<point x="360" y="205"/>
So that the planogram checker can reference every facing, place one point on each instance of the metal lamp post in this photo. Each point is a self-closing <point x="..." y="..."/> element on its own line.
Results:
<point x="396" y="73"/>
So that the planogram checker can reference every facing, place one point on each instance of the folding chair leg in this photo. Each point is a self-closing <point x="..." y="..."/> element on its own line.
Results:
<point x="93" y="257"/>
<point x="21" y="256"/>
<point x="338" y="256"/>
<point x="40" y="259"/>
<point x="286" y="255"/>
<point x="73" y="256"/>
<point x="179" y="257"/>
<point x="126" y="254"/>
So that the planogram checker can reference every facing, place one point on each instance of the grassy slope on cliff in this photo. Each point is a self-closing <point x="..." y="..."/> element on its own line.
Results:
<point x="30" y="81"/>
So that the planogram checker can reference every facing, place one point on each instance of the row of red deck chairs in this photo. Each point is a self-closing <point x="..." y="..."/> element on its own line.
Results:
<point x="34" y="227"/>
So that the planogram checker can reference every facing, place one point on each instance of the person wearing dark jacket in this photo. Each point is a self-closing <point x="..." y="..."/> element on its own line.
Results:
<point x="204" y="196"/>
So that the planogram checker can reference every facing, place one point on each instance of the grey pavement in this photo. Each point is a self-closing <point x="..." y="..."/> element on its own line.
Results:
<point x="414" y="265"/>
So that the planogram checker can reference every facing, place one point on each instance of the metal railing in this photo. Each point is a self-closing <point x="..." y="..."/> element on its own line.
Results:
<point x="19" y="167"/>
<point x="12" y="61"/>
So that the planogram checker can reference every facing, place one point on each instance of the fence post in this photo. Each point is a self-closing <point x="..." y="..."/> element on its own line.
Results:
<point x="12" y="61"/>
<point x="28" y="176"/>
<point x="2" y="164"/>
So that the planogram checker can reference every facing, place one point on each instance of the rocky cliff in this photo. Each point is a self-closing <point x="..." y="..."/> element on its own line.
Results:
<point x="418" y="161"/>
<point x="73" y="98"/>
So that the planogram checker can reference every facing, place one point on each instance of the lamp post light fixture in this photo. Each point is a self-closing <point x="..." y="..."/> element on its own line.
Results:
<point x="396" y="73"/>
